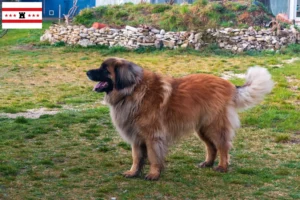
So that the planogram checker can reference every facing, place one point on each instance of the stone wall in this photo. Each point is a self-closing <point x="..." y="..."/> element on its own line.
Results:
<point x="236" y="40"/>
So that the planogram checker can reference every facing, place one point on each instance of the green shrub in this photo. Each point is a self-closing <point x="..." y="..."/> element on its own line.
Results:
<point x="253" y="8"/>
<point x="159" y="8"/>
<point x="59" y="44"/>
<point x="84" y="17"/>
<point x="201" y="2"/>
<point x="100" y="11"/>
<point x="121" y="14"/>
<point x="234" y="6"/>
<point x="218" y="7"/>
<point x="226" y="24"/>
<point x="282" y="138"/>
<point x="21" y="120"/>
<point x="184" y="9"/>
<point x="199" y="15"/>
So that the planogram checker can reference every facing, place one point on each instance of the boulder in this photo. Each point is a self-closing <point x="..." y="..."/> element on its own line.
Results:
<point x="85" y="43"/>
<point x="97" y="25"/>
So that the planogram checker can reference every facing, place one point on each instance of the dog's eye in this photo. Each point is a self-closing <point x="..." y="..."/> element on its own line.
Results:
<point x="105" y="70"/>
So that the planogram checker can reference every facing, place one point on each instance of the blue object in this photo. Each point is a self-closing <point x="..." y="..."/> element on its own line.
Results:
<point x="51" y="7"/>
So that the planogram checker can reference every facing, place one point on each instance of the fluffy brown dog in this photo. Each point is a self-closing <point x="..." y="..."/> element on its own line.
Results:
<point x="150" y="111"/>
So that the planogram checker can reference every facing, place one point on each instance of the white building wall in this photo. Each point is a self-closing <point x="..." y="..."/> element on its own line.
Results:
<point x="113" y="2"/>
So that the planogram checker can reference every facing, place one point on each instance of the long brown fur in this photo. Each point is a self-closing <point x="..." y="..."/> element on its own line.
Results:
<point x="155" y="111"/>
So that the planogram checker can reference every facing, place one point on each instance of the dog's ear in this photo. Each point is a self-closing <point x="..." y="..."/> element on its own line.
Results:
<point x="127" y="74"/>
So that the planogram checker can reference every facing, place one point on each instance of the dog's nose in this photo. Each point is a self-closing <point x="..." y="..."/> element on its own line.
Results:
<point x="88" y="73"/>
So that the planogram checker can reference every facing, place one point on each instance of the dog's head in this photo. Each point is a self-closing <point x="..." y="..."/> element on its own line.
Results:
<point x="115" y="74"/>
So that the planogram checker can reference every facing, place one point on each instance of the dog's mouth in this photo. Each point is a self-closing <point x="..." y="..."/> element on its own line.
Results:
<point x="100" y="86"/>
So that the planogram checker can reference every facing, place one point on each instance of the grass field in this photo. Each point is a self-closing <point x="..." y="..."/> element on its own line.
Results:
<point x="77" y="154"/>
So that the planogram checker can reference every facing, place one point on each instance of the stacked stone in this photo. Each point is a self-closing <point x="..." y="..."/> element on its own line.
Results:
<point x="239" y="40"/>
<point x="236" y="40"/>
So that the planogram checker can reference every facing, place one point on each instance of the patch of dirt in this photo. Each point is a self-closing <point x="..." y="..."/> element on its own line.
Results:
<point x="37" y="113"/>
<point x="276" y="66"/>
<point x="294" y="83"/>
<point x="286" y="62"/>
<point x="24" y="47"/>
<point x="295" y="141"/>
<point x="231" y="75"/>
<point x="291" y="60"/>
<point x="31" y="114"/>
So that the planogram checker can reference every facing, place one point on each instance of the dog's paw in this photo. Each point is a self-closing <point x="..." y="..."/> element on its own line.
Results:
<point x="130" y="174"/>
<point x="152" y="176"/>
<point x="205" y="164"/>
<point x="220" y="169"/>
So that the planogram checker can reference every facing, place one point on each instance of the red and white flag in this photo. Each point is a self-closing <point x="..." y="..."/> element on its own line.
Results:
<point x="22" y="15"/>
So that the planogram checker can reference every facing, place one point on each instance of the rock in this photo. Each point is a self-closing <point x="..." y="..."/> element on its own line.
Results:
<point x="240" y="50"/>
<point x="235" y="40"/>
<point x="228" y="47"/>
<point x="191" y="37"/>
<point x="83" y="35"/>
<point x="251" y="38"/>
<point x="98" y="25"/>
<point x="158" y="44"/>
<point x="169" y="43"/>
<point x="167" y="36"/>
<point x="224" y="32"/>
<point x="267" y="38"/>
<point x="198" y="37"/>
<point x="154" y="30"/>
<point x="245" y="45"/>
<point x="277" y="46"/>
<point x="197" y="46"/>
<point x="235" y="48"/>
<point x="96" y="34"/>
<point x="112" y="43"/>
<point x="47" y="37"/>
<point x="185" y="45"/>
<point x="159" y="36"/>
<point x="85" y="43"/>
<point x="251" y="28"/>
<point x="283" y="40"/>
<point x="146" y="44"/>
<point x="131" y="28"/>
<point x="140" y="39"/>
<point x="228" y="30"/>
<point x="260" y="39"/>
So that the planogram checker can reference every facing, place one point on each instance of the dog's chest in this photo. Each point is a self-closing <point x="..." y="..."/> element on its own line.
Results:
<point x="122" y="118"/>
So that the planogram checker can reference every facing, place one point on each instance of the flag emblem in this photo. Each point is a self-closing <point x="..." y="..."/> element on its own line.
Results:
<point x="22" y="15"/>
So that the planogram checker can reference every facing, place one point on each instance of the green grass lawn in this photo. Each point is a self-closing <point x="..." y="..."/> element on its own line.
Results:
<point x="77" y="153"/>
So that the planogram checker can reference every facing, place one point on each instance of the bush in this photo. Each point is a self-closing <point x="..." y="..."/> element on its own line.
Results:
<point x="201" y="3"/>
<point x="218" y="7"/>
<point x="200" y="15"/>
<point x="84" y="17"/>
<point x="161" y="8"/>
<point x="234" y="6"/>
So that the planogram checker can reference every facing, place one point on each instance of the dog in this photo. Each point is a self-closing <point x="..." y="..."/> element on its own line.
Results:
<point x="151" y="111"/>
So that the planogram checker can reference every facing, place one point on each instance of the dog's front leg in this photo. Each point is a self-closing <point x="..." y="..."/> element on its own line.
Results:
<point x="156" y="151"/>
<point x="138" y="158"/>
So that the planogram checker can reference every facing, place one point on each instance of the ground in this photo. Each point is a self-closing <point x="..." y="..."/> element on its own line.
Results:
<point x="75" y="152"/>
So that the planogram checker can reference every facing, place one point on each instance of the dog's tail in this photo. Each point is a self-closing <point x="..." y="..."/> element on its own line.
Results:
<point x="258" y="84"/>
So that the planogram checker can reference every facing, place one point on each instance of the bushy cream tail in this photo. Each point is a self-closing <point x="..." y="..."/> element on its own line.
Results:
<point x="258" y="84"/>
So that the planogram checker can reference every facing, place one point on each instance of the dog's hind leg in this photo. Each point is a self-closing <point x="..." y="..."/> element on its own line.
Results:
<point x="211" y="151"/>
<point x="139" y="153"/>
<point x="156" y="151"/>
<point x="223" y="145"/>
